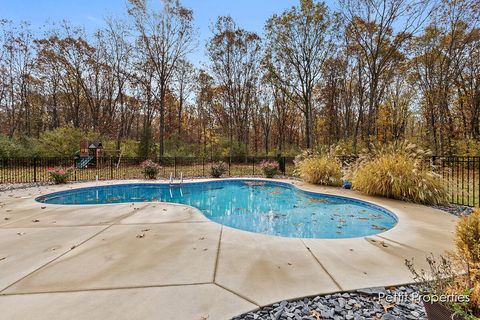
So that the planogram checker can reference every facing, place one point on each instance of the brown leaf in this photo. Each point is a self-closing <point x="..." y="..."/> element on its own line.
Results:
<point x="387" y="306"/>
<point x="316" y="314"/>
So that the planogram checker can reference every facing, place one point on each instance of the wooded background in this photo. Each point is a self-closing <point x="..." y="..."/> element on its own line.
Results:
<point x="374" y="72"/>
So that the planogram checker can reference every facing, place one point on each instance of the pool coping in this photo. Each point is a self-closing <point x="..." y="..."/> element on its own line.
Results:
<point x="321" y="265"/>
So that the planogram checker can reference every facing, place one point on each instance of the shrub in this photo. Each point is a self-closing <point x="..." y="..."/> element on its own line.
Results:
<point x="467" y="241"/>
<point x="146" y="146"/>
<point x="217" y="169"/>
<point x="319" y="169"/>
<point x="459" y="272"/>
<point x="60" y="175"/>
<point x="398" y="171"/>
<point x="269" y="168"/>
<point x="150" y="169"/>
<point x="60" y="142"/>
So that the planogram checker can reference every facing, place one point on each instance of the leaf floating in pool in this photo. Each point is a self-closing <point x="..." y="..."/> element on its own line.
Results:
<point x="254" y="183"/>
<point x="363" y="218"/>
<point x="274" y="193"/>
<point x="317" y="200"/>
<point x="276" y="215"/>
<point x="374" y="226"/>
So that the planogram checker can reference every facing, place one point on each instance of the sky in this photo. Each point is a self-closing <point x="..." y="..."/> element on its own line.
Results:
<point x="249" y="14"/>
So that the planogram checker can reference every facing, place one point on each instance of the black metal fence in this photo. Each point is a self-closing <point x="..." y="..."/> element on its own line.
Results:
<point x="460" y="174"/>
<point x="27" y="170"/>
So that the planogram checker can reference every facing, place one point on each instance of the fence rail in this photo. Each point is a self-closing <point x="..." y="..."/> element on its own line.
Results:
<point x="460" y="174"/>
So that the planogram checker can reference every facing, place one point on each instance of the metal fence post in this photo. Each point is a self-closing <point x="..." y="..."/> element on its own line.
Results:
<point x="35" y="169"/>
<point x="111" y="168"/>
<point x="229" y="165"/>
<point x="174" y="167"/>
<point x="74" y="170"/>
<point x="203" y="166"/>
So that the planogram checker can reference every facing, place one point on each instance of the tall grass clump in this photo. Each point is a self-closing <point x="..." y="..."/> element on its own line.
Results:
<point x="457" y="273"/>
<point x="322" y="168"/>
<point x="399" y="171"/>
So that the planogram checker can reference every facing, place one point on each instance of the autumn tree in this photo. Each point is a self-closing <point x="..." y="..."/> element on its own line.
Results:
<point x="377" y="33"/>
<point x="235" y="55"/>
<point x="166" y="36"/>
<point x="442" y="52"/>
<point x="300" y="41"/>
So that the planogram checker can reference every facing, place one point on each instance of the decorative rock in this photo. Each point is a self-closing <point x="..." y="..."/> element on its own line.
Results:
<point x="360" y="305"/>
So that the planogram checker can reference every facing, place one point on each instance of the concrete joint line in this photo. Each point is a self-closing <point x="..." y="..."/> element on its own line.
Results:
<point x="399" y="243"/>
<point x="322" y="266"/>
<point x="56" y="258"/>
<point x="106" y="289"/>
<point x="237" y="294"/>
<point x="218" y="255"/>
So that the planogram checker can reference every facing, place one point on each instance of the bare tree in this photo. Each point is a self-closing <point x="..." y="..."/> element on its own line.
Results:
<point x="183" y="85"/>
<point x="370" y="29"/>
<point x="235" y="55"/>
<point x="166" y="36"/>
<point x="300" y="40"/>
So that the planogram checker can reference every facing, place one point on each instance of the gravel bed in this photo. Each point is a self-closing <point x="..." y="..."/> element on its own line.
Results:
<point x="361" y="304"/>
<point x="456" y="210"/>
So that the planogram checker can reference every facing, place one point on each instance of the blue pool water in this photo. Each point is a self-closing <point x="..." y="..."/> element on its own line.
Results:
<point x="272" y="208"/>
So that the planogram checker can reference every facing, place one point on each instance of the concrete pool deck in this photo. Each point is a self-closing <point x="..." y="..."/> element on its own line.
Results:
<point x="167" y="261"/>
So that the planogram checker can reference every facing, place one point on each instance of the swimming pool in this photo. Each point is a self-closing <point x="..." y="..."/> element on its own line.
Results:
<point x="268" y="207"/>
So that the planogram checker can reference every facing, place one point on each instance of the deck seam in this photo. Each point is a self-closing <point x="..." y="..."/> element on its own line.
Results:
<point x="55" y="259"/>
<point x="322" y="266"/>
<point x="107" y="289"/>
<point x="237" y="294"/>
<point x="218" y="255"/>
